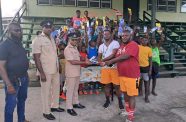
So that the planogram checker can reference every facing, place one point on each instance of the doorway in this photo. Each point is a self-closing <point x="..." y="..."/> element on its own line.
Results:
<point x="134" y="6"/>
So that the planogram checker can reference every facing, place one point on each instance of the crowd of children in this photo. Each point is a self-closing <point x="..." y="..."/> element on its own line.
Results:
<point x="91" y="30"/>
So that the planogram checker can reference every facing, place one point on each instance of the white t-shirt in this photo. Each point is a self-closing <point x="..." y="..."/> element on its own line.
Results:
<point x="107" y="51"/>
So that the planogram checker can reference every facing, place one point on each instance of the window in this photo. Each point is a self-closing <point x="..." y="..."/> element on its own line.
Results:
<point x="82" y="3"/>
<point x="70" y="2"/>
<point x="105" y="3"/>
<point x="94" y="3"/>
<point x="183" y="6"/>
<point x="164" y="5"/>
<point x="56" y="2"/>
<point x="43" y="1"/>
<point x="78" y="3"/>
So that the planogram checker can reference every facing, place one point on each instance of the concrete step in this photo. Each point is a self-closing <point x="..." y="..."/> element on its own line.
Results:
<point x="179" y="60"/>
<point x="182" y="73"/>
<point x="179" y="56"/>
<point x="180" y="69"/>
<point x="172" y="73"/>
<point x="179" y="64"/>
<point x="180" y="53"/>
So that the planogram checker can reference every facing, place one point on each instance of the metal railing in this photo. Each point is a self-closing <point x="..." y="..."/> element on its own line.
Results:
<point x="17" y="18"/>
<point x="147" y="18"/>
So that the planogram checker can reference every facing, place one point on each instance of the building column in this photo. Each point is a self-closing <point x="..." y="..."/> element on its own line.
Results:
<point x="153" y="13"/>
<point x="1" y="23"/>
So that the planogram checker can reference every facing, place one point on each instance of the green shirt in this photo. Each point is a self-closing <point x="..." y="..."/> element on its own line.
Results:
<point x="156" y="55"/>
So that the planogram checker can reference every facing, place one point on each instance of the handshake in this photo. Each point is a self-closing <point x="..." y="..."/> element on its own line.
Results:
<point x="106" y="63"/>
<point x="93" y="61"/>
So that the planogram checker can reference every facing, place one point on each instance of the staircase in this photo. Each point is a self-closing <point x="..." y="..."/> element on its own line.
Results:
<point x="180" y="63"/>
<point x="174" y="58"/>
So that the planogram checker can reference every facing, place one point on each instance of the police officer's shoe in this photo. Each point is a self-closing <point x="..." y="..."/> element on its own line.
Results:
<point x="78" y="106"/>
<point x="26" y="120"/>
<point x="57" y="109"/>
<point x="49" y="116"/>
<point x="71" y="112"/>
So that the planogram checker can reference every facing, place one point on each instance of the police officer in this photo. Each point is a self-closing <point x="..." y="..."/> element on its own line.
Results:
<point x="45" y="56"/>
<point x="72" y="72"/>
<point x="13" y="70"/>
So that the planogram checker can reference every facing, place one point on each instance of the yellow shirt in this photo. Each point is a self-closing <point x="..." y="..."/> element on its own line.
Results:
<point x="62" y="63"/>
<point x="145" y="53"/>
<point x="47" y="48"/>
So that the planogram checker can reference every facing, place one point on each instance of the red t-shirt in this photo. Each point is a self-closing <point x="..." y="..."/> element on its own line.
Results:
<point x="83" y="55"/>
<point x="130" y="67"/>
<point x="76" y="22"/>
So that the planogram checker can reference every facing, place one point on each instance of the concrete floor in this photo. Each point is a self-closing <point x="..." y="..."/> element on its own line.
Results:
<point x="168" y="106"/>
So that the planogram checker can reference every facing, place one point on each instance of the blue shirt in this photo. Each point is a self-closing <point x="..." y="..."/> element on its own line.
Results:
<point x="92" y="51"/>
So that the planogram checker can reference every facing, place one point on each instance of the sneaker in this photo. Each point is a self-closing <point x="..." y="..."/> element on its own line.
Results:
<point x="127" y="120"/>
<point x="154" y="93"/>
<point x="147" y="100"/>
<point x="107" y="104"/>
<point x="90" y="92"/>
<point x="85" y="92"/>
<point x="80" y="92"/>
<point x="62" y="96"/>
<point x="123" y="113"/>
<point x="97" y="92"/>
<point x="26" y="120"/>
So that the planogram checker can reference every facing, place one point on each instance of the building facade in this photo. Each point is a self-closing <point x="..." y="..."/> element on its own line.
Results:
<point x="167" y="10"/>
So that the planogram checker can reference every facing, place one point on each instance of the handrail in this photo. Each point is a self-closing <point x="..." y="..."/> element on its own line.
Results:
<point x="148" y="17"/>
<point x="18" y="16"/>
<point x="145" y="17"/>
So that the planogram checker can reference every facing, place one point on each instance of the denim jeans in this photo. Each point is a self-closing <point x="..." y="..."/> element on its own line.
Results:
<point x="19" y="98"/>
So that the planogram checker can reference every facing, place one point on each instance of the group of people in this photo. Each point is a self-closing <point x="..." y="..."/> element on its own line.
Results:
<point x="126" y="60"/>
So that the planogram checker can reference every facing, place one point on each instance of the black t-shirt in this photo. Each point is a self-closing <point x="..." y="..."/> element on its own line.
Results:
<point x="15" y="56"/>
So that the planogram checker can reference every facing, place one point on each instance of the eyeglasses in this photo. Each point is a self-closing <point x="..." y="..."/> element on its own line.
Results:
<point x="74" y="39"/>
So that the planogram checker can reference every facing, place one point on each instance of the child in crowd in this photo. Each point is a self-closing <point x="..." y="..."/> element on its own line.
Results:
<point x="37" y="72"/>
<point x="92" y="49"/>
<point x="82" y="86"/>
<point x="155" y="61"/>
<point x="61" y="57"/>
<point x="145" y="62"/>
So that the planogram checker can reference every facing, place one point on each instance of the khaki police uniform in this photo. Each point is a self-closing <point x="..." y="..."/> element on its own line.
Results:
<point x="72" y="73"/>
<point x="49" y="60"/>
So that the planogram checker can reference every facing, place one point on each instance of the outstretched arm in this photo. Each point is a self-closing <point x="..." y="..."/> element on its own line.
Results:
<point x="117" y="59"/>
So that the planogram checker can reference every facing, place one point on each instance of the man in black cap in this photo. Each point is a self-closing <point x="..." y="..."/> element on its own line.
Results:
<point x="72" y="73"/>
<point x="13" y="70"/>
<point x="46" y="59"/>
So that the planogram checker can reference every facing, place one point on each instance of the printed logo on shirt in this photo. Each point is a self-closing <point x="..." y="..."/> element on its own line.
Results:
<point x="77" y="23"/>
<point x="154" y="54"/>
<point x="121" y="51"/>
